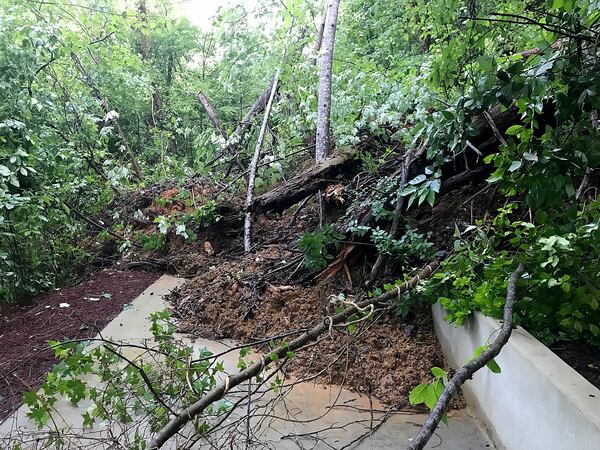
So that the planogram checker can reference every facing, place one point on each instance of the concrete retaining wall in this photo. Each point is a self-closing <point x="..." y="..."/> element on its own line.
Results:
<point x="538" y="402"/>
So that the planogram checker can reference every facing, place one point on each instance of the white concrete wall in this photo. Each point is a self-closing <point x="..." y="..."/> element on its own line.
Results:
<point x="538" y="402"/>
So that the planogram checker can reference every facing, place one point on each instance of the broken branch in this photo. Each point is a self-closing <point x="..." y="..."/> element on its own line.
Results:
<point x="212" y="115"/>
<point x="246" y="123"/>
<point x="466" y="372"/>
<point x="253" y="168"/>
<point x="221" y="389"/>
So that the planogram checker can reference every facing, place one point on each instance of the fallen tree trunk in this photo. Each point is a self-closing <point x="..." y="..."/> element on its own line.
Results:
<point x="319" y="176"/>
<point x="455" y="173"/>
<point x="246" y="123"/>
<point x="304" y="184"/>
<point x="220" y="390"/>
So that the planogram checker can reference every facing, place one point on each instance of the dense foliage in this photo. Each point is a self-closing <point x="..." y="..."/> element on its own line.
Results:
<point x="97" y="100"/>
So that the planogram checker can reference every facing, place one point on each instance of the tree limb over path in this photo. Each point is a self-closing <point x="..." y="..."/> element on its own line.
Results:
<point x="466" y="372"/>
<point x="220" y="390"/>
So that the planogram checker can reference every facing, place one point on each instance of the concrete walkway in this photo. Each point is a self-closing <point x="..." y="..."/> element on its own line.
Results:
<point x="288" y="420"/>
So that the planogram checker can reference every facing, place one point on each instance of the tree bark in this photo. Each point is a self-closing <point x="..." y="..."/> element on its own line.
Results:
<point x="212" y="115"/>
<point x="254" y="165"/>
<point x="304" y="184"/>
<point x="325" y="67"/>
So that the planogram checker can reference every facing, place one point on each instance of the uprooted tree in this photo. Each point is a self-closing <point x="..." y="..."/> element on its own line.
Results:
<point x="466" y="154"/>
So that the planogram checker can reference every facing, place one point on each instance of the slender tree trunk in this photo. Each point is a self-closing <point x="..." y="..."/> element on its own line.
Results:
<point x="325" y="66"/>
<point x="143" y="17"/>
<point x="254" y="165"/>
<point x="113" y="118"/>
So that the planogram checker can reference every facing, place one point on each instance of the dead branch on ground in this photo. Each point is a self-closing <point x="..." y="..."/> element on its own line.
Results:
<point x="466" y="372"/>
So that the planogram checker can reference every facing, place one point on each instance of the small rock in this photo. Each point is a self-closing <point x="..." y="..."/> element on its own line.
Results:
<point x="409" y="329"/>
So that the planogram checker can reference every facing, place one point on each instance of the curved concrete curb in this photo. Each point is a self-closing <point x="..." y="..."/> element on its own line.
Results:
<point x="538" y="402"/>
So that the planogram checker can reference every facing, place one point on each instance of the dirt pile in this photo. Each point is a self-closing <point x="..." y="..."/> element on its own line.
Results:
<point x="252" y="297"/>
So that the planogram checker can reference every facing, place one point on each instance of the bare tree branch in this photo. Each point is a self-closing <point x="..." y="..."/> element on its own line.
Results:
<point x="254" y="165"/>
<point x="107" y="109"/>
<point x="466" y="372"/>
<point x="246" y="123"/>
<point x="212" y="115"/>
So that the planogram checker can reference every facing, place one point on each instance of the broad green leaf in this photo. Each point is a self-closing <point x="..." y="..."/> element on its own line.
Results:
<point x="439" y="373"/>
<point x="417" y="394"/>
<point x="515" y="165"/>
<point x="514" y="130"/>
<point x="493" y="366"/>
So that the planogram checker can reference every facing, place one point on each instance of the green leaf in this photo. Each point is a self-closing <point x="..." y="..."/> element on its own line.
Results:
<point x="432" y="393"/>
<point x="514" y="130"/>
<point x="30" y="398"/>
<point x="4" y="171"/>
<point x="417" y="395"/>
<point x="418" y="179"/>
<point x="40" y="416"/>
<point x="570" y="190"/>
<point x="493" y="366"/>
<point x="515" y="165"/>
<point x="489" y="158"/>
<point x="438" y="373"/>
<point x="431" y="198"/>
<point x="448" y="115"/>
